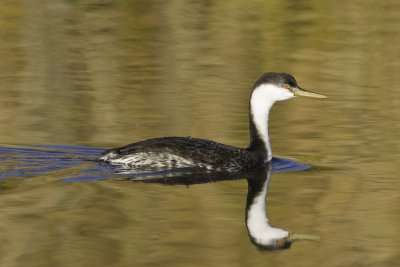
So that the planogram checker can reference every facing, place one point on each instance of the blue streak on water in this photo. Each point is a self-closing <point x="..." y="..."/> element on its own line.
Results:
<point x="38" y="160"/>
<point x="280" y="165"/>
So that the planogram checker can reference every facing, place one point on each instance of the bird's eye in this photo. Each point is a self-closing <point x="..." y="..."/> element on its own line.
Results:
<point x="287" y="86"/>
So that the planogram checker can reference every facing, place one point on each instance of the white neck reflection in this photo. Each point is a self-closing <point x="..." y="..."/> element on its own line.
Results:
<point x="257" y="222"/>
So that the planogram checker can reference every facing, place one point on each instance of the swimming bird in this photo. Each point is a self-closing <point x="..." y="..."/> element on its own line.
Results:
<point x="167" y="153"/>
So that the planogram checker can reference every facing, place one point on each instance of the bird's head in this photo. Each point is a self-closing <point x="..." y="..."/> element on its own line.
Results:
<point x="280" y="86"/>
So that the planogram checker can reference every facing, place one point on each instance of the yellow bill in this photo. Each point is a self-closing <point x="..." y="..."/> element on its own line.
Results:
<point x="302" y="92"/>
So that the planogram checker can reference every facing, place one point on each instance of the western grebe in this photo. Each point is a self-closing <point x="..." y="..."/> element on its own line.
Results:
<point x="186" y="152"/>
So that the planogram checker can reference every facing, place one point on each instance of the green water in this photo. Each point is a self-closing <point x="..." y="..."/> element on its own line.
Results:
<point x="106" y="73"/>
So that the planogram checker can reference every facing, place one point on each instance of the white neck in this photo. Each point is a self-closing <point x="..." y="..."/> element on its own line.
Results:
<point x="260" y="112"/>
<point x="262" y="99"/>
<point x="257" y="221"/>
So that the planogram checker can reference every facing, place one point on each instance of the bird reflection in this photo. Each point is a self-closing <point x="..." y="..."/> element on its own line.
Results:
<point x="261" y="233"/>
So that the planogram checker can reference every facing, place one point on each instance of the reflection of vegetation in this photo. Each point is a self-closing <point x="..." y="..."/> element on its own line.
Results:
<point x="6" y="185"/>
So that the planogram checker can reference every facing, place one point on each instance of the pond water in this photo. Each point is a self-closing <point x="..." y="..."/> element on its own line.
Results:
<point x="81" y="76"/>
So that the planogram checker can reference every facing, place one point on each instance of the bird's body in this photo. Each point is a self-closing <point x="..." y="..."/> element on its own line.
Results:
<point x="183" y="152"/>
<point x="167" y="153"/>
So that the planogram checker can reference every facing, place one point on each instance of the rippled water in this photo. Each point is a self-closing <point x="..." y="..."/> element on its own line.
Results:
<point x="80" y="76"/>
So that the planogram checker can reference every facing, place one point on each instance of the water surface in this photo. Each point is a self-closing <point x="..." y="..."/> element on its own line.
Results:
<point x="80" y="76"/>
